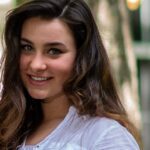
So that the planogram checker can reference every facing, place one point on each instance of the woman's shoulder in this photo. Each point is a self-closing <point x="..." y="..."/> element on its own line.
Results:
<point x="103" y="133"/>
<point x="101" y="123"/>
<point x="104" y="122"/>
<point x="103" y="126"/>
<point x="97" y="124"/>
<point x="110" y="134"/>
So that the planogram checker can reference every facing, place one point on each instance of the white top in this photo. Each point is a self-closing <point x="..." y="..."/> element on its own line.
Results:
<point x="86" y="133"/>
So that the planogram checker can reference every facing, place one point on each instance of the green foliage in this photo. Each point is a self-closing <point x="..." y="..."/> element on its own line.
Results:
<point x="21" y="1"/>
<point x="92" y="3"/>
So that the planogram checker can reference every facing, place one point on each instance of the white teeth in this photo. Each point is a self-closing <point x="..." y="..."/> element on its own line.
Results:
<point x="39" y="78"/>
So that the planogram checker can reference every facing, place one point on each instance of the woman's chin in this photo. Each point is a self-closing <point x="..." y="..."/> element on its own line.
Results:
<point x="37" y="96"/>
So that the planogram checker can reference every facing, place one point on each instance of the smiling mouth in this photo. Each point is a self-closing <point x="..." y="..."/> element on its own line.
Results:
<point x="34" y="78"/>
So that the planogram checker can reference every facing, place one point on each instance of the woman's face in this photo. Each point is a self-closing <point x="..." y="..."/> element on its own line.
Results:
<point x="48" y="53"/>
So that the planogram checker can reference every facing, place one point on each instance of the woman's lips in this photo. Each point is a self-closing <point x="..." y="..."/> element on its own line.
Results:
<point x="39" y="80"/>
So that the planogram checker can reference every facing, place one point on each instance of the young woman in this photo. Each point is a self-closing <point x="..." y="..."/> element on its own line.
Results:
<point x="58" y="91"/>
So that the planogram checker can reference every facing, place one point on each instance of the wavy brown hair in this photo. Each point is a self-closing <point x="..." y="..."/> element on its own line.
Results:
<point x="91" y="88"/>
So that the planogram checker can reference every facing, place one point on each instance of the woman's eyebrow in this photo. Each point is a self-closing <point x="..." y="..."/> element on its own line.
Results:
<point x="26" y="40"/>
<point x="47" y="44"/>
<point x="55" y="43"/>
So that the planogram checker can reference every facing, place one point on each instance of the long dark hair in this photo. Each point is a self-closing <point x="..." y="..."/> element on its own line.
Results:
<point x="91" y="88"/>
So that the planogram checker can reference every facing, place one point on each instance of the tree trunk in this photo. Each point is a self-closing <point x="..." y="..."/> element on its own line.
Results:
<point x="112" y="18"/>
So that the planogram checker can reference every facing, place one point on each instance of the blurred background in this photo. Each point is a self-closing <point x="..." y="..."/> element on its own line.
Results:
<point x="125" y="29"/>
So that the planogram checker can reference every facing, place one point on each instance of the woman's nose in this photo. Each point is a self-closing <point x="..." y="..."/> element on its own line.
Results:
<point x="38" y="63"/>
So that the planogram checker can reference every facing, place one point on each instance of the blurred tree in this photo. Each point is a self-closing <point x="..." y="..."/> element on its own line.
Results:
<point x="21" y="1"/>
<point x="112" y="18"/>
<point x="94" y="6"/>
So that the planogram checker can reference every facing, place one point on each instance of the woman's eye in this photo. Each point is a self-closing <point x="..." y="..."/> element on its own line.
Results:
<point x="54" y="51"/>
<point x="26" y="47"/>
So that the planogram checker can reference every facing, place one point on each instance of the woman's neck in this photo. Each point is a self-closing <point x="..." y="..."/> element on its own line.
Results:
<point x="54" y="109"/>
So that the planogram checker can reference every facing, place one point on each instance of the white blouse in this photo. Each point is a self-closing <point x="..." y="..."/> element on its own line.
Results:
<point x="86" y="133"/>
